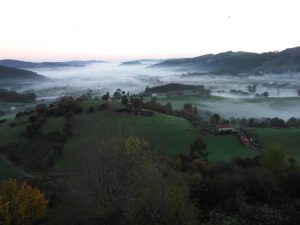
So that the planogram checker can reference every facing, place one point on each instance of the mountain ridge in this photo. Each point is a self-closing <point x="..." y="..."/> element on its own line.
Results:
<point x="286" y="61"/>
<point x="27" y="64"/>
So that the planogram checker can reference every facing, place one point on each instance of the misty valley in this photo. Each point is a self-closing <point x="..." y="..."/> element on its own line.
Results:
<point x="230" y="95"/>
<point x="210" y="140"/>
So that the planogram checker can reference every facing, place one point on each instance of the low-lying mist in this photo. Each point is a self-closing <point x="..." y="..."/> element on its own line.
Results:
<point x="103" y="77"/>
<point x="283" y="108"/>
<point x="100" y="77"/>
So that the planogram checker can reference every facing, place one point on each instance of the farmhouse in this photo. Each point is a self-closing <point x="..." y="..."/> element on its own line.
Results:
<point x="225" y="128"/>
<point x="221" y="129"/>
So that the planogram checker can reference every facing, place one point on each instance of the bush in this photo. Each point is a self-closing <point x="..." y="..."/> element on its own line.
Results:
<point x="32" y="118"/>
<point x="13" y="96"/>
<point x="274" y="159"/>
<point x="91" y="109"/>
<point x="265" y="215"/>
<point x="197" y="165"/>
<point x="198" y="150"/>
<point x="21" y="204"/>
<point x="41" y="108"/>
<point x="3" y="121"/>
<point x="13" y="124"/>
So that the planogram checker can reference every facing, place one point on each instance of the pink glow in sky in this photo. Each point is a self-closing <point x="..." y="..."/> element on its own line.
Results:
<point x="130" y="29"/>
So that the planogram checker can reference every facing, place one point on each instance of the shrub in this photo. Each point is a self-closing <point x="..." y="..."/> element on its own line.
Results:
<point x="274" y="159"/>
<point x="13" y="124"/>
<point x="197" y="165"/>
<point x="21" y="204"/>
<point x="13" y="96"/>
<point x="198" y="150"/>
<point x="91" y="109"/>
<point x="32" y="118"/>
<point x="3" y="121"/>
<point x="41" y="108"/>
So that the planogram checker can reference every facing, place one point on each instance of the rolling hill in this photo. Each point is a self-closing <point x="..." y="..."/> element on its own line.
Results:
<point x="286" y="61"/>
<point x="9" y="73"/>
<point x="26" y="64"/>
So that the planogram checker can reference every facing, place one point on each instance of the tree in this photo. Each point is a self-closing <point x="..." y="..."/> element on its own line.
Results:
<point x="276" y="122"/>
<point x="21" y="204"/>
<point x="198" y="150"/>
<point x="117" y="94"/>
<point x="137" y="103"/>
<point x="168" y="108"/>
<point x="130" y="184"/>
<point x="125" y="100"/>
<point x="274" y="159"/>
<point x="292" y="122"/>
<point x="215" y="119"/>
<point x="265" y="94"/>
<point x="188" y="107"/>
<point x="105" y="97"/>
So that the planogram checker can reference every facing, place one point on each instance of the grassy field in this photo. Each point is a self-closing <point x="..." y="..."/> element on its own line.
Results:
<point x="287" y="137"/>
<point x="170" y="135"/>
<point x="241" y="107"/>
<point x="180" y="100"/>
<point x="53" y="124"/>
<point x="225" y="147"/>
<point x="9" y="135"/>
<point x="6" y="171"/>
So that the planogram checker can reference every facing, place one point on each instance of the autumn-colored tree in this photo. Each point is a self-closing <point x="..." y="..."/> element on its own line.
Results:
<point x="21" y="204"/>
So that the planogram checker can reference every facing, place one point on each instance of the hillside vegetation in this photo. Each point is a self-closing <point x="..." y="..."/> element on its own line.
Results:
<point x="240" y="62"/>
<point x="107" y="162"/>
<point x="18" y="74"/>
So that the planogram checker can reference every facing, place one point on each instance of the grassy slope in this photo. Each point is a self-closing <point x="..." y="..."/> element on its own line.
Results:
<point x="14" y="73"/>
<point x="169" y="134"/>
<point x="8" y="135"/>
<point x="290" y="138"/>
<point x="224" y="147"/>
<point x="6" y="171"/>
<point x="53" y="124"/>
<point x="179" y="101"/>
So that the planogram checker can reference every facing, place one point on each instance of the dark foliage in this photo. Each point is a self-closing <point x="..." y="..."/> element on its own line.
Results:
<point x="13" y="96"/>
<point x="176" y="87"/>
<point x="198" y="150"/>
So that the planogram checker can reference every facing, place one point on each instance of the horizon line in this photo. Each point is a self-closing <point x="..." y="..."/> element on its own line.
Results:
<point x="112" y="58"/>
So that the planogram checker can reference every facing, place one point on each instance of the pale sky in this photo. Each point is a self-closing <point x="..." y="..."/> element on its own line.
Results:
<point x="131" y="29"/>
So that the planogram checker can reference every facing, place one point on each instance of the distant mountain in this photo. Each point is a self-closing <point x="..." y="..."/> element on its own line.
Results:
<point x="131" y="63"/>
<point x="10" y="73"/>
<point x="146" y="62"/>
<point x="239" y="62"/>
<point x="24" y="64"/>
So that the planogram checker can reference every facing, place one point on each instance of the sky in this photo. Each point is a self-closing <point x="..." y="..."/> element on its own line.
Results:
<point x="115" y="30"/>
